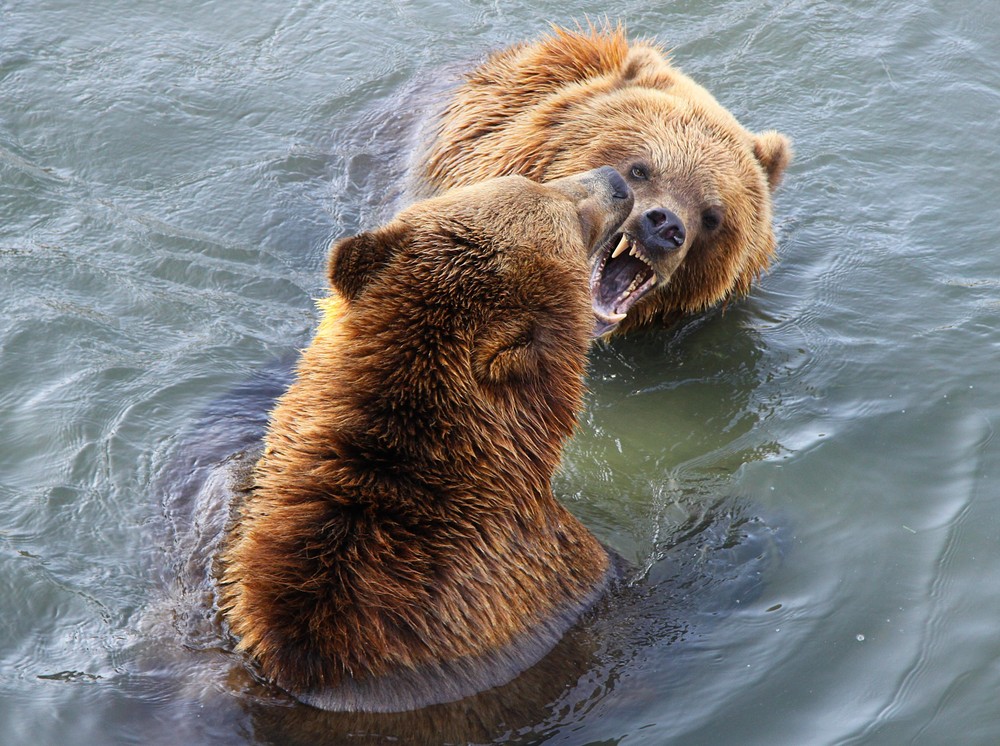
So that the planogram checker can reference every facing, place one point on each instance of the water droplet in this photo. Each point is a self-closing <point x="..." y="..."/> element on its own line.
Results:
<point x="860" y="638"/>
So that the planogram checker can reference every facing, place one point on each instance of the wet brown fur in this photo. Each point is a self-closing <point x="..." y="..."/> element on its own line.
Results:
<point x="401" y="544"/>
<point x="575" y="100"/>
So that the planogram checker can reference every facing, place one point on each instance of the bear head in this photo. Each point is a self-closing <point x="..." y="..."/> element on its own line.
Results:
<point x="701" y="228"/>
<point x="478" y="290"/>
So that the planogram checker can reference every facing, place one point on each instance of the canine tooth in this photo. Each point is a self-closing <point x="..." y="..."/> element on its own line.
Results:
<point x="622" y="245"/>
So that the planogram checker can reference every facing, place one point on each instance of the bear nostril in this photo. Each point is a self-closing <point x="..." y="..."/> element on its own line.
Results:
<point x="656" y="218"/>
<point x="665" y="226"/>
<point x="673" y="233"/>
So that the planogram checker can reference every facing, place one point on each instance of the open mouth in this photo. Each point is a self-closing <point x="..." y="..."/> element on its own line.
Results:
<point x="622" y="273"/>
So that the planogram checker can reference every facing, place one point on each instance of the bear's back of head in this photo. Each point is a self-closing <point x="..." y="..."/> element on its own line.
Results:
<point x="466" y="309"/>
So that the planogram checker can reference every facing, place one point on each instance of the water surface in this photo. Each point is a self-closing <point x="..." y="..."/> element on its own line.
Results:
<point x="805" y="483"/>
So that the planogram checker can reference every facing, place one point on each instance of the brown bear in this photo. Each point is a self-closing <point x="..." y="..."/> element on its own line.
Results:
<point x="700" y="231"/>
<point x="400" y="545"/>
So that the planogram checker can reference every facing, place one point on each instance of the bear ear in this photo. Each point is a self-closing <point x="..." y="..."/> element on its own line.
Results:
<point x="355" y="261"/>
<point x="502" y="352"/>
<point x="774" y="151"/>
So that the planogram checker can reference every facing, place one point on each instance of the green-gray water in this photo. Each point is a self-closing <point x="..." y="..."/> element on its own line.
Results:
<point x="811" y="475"/>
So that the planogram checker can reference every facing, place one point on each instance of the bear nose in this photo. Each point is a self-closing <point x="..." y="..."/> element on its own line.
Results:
<point x="619" y="189"/>
<point x="663" y="228"/>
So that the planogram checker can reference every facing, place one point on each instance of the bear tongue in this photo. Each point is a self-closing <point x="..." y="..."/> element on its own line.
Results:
<point x="618" y="281"/>
<point x="624" y="279"/>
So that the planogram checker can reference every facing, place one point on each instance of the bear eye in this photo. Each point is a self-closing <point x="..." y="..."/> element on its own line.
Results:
<point x="711" y="218"/>
<point x="639" y="171"/>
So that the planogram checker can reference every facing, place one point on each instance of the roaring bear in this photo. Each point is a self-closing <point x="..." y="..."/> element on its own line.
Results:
<point x="400" y="545"/>
<point x="701" y="229"/>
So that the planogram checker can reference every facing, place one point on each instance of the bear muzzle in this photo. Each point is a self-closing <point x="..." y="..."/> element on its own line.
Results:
<point x="661" y="230"/>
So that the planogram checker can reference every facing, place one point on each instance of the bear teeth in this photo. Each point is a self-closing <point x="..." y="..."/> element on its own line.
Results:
<point x="634" y="248"/>
<point x="625" y="243"/>
<point x="639" y="254"/>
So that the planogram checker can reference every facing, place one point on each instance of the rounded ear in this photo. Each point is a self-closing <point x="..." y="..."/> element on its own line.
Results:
<point x="774" y="151"/>
<point x="502" y="352"/>
<point x="355" y="261"/>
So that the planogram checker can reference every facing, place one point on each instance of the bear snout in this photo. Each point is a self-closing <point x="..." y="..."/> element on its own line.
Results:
<point x="619" y="189"/>
<point x="661" y="229"/>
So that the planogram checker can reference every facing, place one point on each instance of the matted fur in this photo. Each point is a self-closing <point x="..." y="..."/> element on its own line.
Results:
<point x="575" y="100"/>
<point x="401" y="545"/>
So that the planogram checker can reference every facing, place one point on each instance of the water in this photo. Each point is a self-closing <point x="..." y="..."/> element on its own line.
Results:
<point x="805" y="484"/>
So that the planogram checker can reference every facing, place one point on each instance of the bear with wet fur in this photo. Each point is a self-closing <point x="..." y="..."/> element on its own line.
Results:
<point x="701" y="229"/>
<point x="401" y="545"/>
